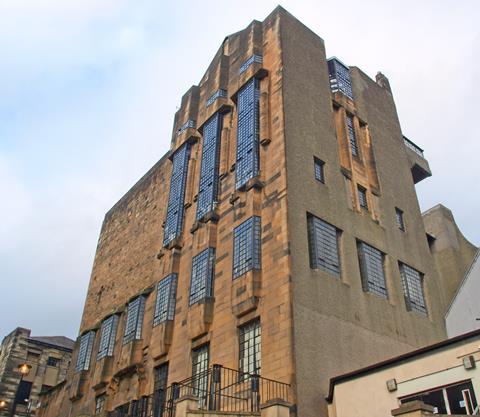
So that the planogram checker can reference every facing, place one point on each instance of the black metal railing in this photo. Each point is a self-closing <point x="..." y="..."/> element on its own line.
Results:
<point x="216" y="389"/>
<point x="409" y="144"/>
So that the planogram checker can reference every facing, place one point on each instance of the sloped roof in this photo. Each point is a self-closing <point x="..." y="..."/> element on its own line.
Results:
<point x="61" y="342"/>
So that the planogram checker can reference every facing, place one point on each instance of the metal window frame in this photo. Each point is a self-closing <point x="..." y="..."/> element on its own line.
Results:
<point x="372" y="269"/>
<point x="339" y="75"/>
<point x="362" y="197"/>
<point x="208" y="183"/>
<point x="176" y="197"/>
<point x="247" y="165"/>
<point x="400" y="219"/>
<point x="108" y="333"/>
<point x="250" y="342"/>
<point x="201" y="276"/>
<point x="319" y="169"/>
<point x="247" y="246"/>
<point x="324" y="245"/>
<point x="352" y="136"/>
<point x="134" y="319"/>
<point x="413" y="289"/>
<point x="85" y="351"/>
<point x="165" y="300"/>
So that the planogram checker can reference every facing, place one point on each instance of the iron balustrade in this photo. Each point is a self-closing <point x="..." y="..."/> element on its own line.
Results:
<point x="217" y="389"/>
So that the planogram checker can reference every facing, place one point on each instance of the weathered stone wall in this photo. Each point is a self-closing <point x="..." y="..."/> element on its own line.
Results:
<point x="17" y="348"/>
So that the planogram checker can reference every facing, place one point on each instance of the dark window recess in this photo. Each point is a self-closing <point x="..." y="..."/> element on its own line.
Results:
<point x="166" y="299"/>
<point x="133" y="326"/>
<point x="323" y="245"/>
<point x="208" y="186"/>
<point x="247" y="246"/>
<point x="176" y="197"/>
<point x="400" y="220"/>
<point x="100" y="403"/>
<point x="352" y="136"/>
<point x="247" y="159"/>
<point x="201" y="278"/>
<point x="160" y="375"/>
<point x="23" y="392"/>
<point x="108" y="332"/>
<point x="371" y="269"/>
<point x="319" y="169"/>
<point x="412" y="282"/>
<point x="339" y="75"/>
<point x="250" y="357"/>
<point x="362" y="197"/>
<point x="51" y="361"/>
<point x="85" y="351"/>
<point x="457" y="399"/>
<point x="200" y="360"/>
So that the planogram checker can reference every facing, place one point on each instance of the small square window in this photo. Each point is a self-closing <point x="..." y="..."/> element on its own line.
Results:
<point x="51" y="361"/>
<point x="319" y="169"/>
<point x="362" y="197"/>
<point x="399" y="218"/>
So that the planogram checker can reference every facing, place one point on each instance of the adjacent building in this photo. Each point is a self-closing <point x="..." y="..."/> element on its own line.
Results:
<point x="444" y="376"/>
<point x="47" y="359"/>
<point x="279" y="242"/>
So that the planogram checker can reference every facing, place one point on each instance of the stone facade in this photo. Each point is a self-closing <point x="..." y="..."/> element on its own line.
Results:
<point x="48" y="358"/>
<point x="313" y="325"/>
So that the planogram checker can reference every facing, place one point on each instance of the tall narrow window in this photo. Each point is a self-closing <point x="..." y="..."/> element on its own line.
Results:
<point x="201" y="279"/>
<point x="399" y="218"/>
<point x="176" y="197"/>
<point x="371" y="269"/>
<point x="166" y="299"/>
<point x="339" y="75"/>
<point x="200" y="359"/>
<point x="352" y="136"/>
<point x="247" y="246"/>
<point x="108" y="331"/>
<point x="323" y="245"/>
<point x="362" y="197"/>
<point x="100" y="403"/>
<point x="23" y="392"/>
<point x="247" y="161"/>
<point x="85" y="351"/>
<point x="412" y="282"/>
<point x="250" y="358"/>
<point x="133" y="326"/>
<point x="160" y="378"/>
<point x="208" y="187"/>
<point x="318" y="169"/>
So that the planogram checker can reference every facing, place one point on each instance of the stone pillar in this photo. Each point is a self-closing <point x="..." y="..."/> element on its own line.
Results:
<point x="275" y="408"/>
<point x="184" y="404"/>
<point x="413" y="409"/>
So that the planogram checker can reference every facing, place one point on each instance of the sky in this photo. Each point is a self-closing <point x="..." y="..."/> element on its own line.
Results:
<point x="89" y="88"/>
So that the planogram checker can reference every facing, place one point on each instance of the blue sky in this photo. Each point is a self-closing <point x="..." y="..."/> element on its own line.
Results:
<point x="88" y="90"/>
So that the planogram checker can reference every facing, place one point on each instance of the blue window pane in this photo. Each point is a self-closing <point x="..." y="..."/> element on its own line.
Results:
<point x="178" y="180"/>
<point x="218" y="94"/>
<point x="247" y="161"/>
<point x="133" y="326"/>
<point x="166" y="299"/>
<point x="250" y="61"/>
<point x="85" y="351"/>
<point x="108" y="332"/>
<point x="208" y="187"/>
<point x="247" y="246"/>
<point x="201" y="279"/>
<point x="339" y="75"/>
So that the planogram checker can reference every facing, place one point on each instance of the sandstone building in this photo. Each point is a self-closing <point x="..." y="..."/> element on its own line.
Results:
<point x="48" y="358"/>
<point x="281" y="235"/>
